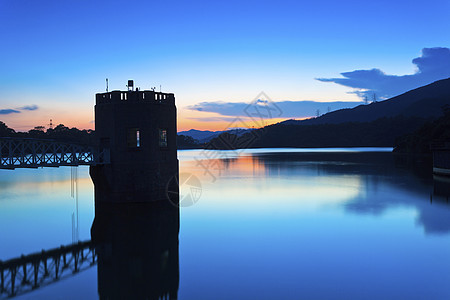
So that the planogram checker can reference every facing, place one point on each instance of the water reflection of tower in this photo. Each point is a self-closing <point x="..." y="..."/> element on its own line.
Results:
<point x="137" y="249"/>
<point x="136" y="227"/>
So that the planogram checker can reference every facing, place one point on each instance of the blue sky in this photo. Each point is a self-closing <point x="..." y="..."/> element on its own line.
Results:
<point x="57" y="54"/>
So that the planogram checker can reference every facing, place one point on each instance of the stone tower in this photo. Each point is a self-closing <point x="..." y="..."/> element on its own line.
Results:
<point x="139" y="129"/>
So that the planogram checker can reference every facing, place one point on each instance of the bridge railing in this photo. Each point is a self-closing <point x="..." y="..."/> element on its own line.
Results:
<point x="26" y="273"/>
<point x="34" y="153"/>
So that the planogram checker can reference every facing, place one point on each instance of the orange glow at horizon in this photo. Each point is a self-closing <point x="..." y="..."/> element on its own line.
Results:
<point x="188" y="119"/>
<point x="229" y="164"/>
<point x="26" y="121"/>
<point x="84" y="119"/>
<point x="187" y="124"/>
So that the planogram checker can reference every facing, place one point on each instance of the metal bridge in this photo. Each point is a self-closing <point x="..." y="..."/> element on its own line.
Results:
<point x="26" y="273"/>
<point x="34" y="153"/>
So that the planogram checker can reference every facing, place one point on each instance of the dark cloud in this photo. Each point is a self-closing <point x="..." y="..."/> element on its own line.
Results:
<point x="434" y="64"/>
<point x="29" y="107"/>
<point x="8" y="111"/>
<point x="288" y="109"/>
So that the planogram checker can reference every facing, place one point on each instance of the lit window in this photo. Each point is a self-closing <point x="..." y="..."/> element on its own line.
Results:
<point x="133" y="138"/>
<point x="138" y="140"/>
<point x="163" y="138"/>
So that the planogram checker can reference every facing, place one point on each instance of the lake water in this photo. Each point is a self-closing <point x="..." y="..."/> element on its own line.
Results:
<point x="263" y="224"/>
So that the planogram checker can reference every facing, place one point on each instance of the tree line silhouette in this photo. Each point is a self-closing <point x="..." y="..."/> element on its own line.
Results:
<point x="419" y="141"/>
<point x="59" y="133"/>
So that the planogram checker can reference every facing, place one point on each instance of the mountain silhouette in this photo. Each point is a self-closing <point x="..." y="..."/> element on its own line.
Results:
<point x="378" y="124"/>
<point x="204" y="136"/>
<point x="424" y="102"/>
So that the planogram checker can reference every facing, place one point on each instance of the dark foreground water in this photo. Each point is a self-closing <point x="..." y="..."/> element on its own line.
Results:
<point x="262" y="224"/>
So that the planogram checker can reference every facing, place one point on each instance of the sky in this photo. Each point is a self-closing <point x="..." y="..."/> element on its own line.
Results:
<point x="216" y="57"/>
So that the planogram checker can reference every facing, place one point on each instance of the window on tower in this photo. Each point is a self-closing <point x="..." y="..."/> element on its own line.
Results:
<point x="133" y="138"/>
<point x="163" y="138"/>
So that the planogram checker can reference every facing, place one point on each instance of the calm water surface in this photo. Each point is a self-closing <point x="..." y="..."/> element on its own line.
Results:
<point x="266" y="224"/>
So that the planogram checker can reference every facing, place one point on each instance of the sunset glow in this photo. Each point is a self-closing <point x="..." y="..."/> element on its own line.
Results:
<point x="57" y="56"/>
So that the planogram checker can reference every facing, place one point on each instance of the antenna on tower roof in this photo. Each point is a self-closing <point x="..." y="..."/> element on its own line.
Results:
<point x="130" y="85"/>
<point x="106" y="84"/>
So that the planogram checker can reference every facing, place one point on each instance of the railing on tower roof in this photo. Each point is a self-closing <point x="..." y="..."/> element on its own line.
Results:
<point x="135" y="96"/>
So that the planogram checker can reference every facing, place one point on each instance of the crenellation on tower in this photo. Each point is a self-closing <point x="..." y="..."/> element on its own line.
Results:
<point x="135" y="96"/>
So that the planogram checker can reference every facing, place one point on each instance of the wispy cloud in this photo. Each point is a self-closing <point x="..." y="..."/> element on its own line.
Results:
<point x="432" y="65"/>
<point x="213" y="119"/>
<point x="8" y="111"/>
<point x="29" y="107"/>
<point x="289" y="109"/>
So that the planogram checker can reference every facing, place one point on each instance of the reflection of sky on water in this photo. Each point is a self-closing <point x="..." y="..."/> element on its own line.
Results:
<point x="361" y="183"/>
<point x="313" y="226"/>
<point x="36" y="209"/>
<point x="308" y="225"/>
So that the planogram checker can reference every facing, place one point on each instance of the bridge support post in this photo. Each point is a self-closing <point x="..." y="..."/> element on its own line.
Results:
<point x="2" y="283"/>
<point x="24" y="279"/>
<point x="45" y="264"/>
<point x="13" y="271"/>
<point x="11" y="161"/>
<point x="64" y="260"/>
<point x="57" y="263"/>
<point x="36" y="273"/>
<point x="75" y="258"/>
<point x="93" y="255"/>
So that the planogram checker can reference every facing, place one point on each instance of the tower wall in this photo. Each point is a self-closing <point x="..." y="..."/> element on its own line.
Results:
<point x="139" y="128"/>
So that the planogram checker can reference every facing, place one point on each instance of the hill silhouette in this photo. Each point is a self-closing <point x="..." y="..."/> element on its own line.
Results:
<point x="379" y="133"/>
<point x="424" y="102"/>
<point x="419" y="141"/>
<point x="378" y="124"/>
<point x="204" y="136"/>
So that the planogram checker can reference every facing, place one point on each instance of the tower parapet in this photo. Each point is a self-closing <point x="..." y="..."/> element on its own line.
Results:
<point x="135" y="96"/>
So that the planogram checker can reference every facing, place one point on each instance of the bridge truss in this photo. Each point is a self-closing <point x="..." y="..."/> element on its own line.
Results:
<point x="34" y="153"/>
<point x="27" y="273"/>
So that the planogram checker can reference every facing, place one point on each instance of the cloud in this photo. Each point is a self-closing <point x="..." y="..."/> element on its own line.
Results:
<point x="8" y="111"/>
<point x="432" y="65"/>
<point x="213" y="119"/>
<point x="29" y="107"/>
<point x="18" y="110"/>
<point x="287" y="109"/>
